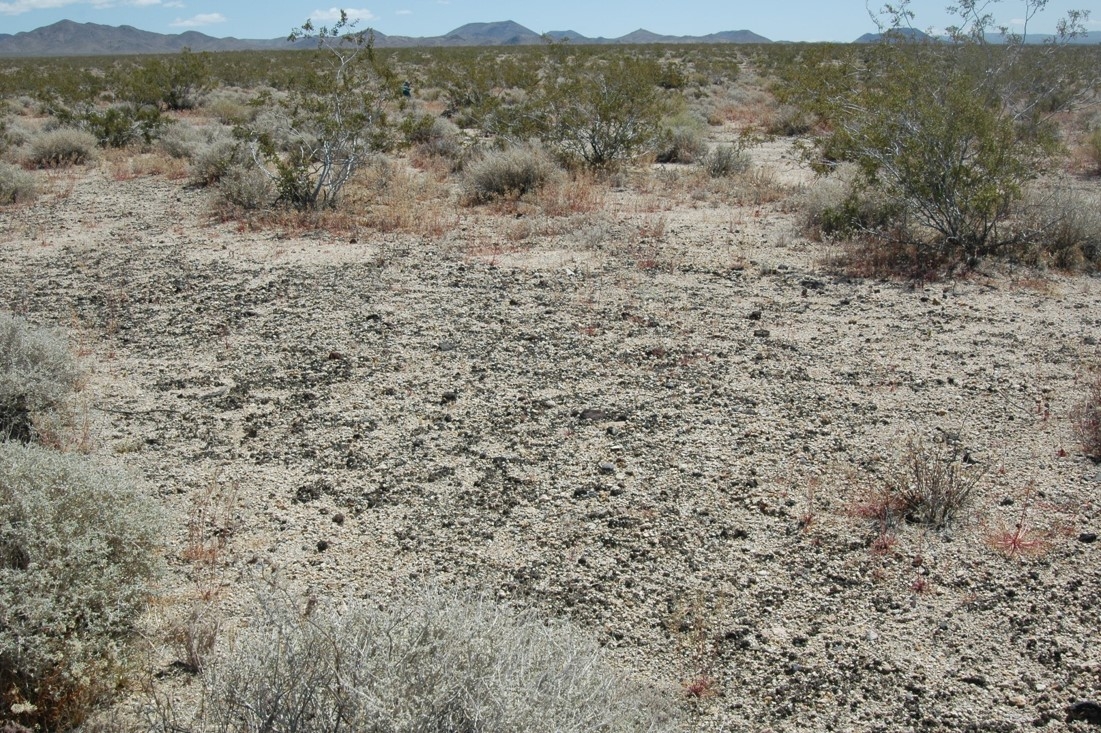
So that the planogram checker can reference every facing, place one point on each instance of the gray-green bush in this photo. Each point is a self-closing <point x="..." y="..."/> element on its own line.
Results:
<point x="507" y="174"/>
<point x="37" y="373"/>
<point x="16" y="185"/>
<point x="433" y="662"/>
<point x="78" y="552"/>
<point x="62" y="147"/>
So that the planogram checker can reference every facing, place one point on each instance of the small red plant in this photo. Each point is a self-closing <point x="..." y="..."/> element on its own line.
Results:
<point x="701" y="688"/>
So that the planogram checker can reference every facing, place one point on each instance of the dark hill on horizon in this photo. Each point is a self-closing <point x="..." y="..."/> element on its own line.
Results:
<point x="68" y="38"/>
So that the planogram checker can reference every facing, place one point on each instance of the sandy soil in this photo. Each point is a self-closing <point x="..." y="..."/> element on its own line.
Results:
<point x="661" y="422"/>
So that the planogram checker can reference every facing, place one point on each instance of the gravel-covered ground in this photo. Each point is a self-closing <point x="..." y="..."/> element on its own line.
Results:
<point x="668" y="424"/>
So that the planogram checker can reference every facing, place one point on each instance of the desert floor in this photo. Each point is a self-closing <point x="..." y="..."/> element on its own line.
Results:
<point x="666" y="418"/>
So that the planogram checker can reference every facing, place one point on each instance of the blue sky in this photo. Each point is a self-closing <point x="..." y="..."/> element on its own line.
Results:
<point x="793" y="20"/>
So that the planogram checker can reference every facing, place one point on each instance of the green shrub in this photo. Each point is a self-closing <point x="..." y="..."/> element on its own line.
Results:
<point x="507" y="174"/>
<point x="434" y="662"/>
<point x="77" y="556"/>
<point x="605" y="115"/>
<point x="37" y="373"/>
<point x="123" y="124"/>
<point x="726" y="161"/>
<point x="62" y="147"/>
<point x="949" y="132"/>
<point x="169" y="82"/>
<point x="336" y="118"/>
<point x="16" y="185"/>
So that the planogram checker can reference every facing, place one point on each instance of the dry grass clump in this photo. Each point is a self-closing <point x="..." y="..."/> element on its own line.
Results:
<point x="37" y="373"/>
<point x="388" y="197"/>
<point x="431" y="662"/>
<point x="61" y="148"/>
<point x="1087" y="420"/>
<point x="16" y="185"/>
<point x="229" y="106"/>
<point x="77" y="557"/>
<point x="682" y="141"/>
<point x="1061" y="227"/>
<point x="726" y="161"/>
<point x="1093" y="150"/>
<point x="508" y="174"/>
<point x="934" y="484"/>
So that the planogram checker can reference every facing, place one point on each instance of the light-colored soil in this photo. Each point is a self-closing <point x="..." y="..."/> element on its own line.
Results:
<point x="662" y="420"/>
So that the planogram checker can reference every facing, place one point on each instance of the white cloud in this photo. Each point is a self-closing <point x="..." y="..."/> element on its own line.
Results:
<point x="403" y="12"/>
<point x="18" y="7"/>
<point x="333" y="14"/>
<point x="25" y="6"/>
<point x="199" y="20"/>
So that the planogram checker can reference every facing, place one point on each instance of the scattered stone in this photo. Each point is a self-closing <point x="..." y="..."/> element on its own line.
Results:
<point x="1088" y="537"/>
<point x="449" y="397"/>
<point x="607" y="468"/>
<point x="754" y="316"/>
<point x="322" y="545"/>
<point x="335" y="356"/>
<point x="762" y="333"/>
<point x="974" y="679"/>
<point x="338" y="518"/>
<point x="446" y="345"/>
<point x="1090" y="341"/>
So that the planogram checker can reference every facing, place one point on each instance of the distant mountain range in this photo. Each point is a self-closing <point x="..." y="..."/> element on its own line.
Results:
<point x="67" y="38"/>
<point x="913" y="34"/>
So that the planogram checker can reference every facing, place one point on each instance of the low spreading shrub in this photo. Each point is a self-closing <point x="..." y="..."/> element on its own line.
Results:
<point x="214" y="162"/>
<point x="37" y="373"/>
<point x="245" y="188"/>
<point x="507" y="174"/>
<point x="77" y="557"/>
<point x="62" y="147"/>
<point x="16" y="185"/>
<point x="433" y="662"/>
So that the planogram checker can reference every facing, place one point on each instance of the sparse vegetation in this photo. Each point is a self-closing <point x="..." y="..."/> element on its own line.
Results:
<point x="77" y="556"/>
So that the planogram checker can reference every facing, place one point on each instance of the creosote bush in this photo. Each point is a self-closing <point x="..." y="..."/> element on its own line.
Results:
<point x="432" y="662"/>
<point x="16" y="185"/>
<point x="37" y="373"/>
<point x="507" y="174"/>
<point x="62" y="147"/>
<point x="77" y="557"/>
